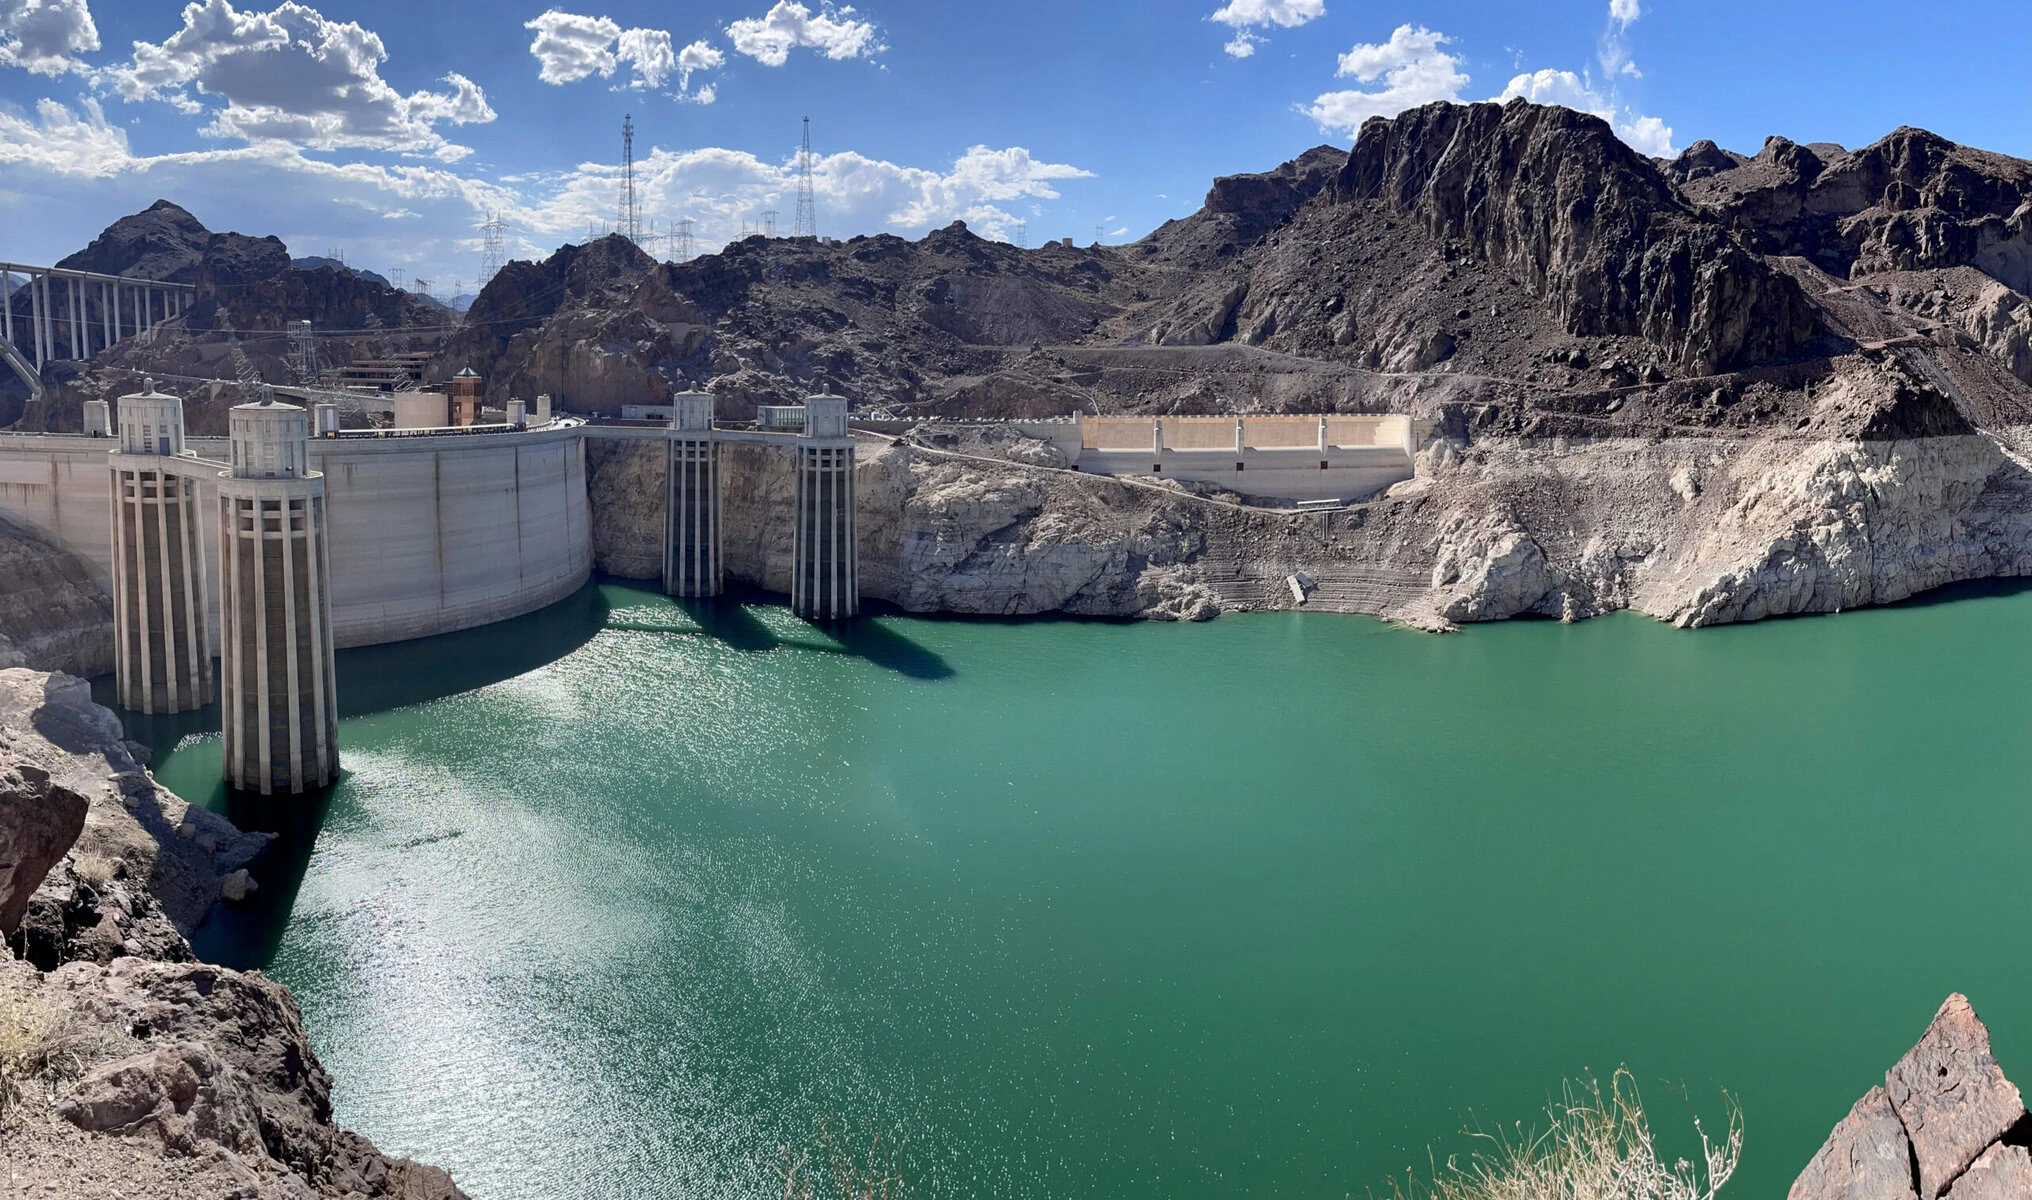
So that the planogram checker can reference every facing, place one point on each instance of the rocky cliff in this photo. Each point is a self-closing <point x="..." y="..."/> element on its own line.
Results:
<point x="1945" y="1124"/>
<point x="140" y="1072"/>
<point x="53" y="614"/>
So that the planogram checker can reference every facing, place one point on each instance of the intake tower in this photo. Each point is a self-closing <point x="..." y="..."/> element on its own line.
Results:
<point x="280" y="701"/>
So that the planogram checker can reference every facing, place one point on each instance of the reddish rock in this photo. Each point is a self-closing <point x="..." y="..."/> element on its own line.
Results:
<point x="1952" y="1096"/>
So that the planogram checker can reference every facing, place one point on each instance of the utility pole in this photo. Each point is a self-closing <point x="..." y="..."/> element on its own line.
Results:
<point x="805" y="224"/>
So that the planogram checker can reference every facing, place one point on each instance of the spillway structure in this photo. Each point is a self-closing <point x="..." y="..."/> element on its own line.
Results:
<point x="162" y="640"/>
<point x="825" y="582"/>
<point x="691" y="509"/>
<point x="279" y="697"/>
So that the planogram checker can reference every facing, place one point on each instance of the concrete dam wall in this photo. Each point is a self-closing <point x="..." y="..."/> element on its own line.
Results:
<point x="428" y="534"/>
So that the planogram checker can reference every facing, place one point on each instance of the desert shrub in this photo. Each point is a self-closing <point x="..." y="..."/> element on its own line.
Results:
<point x="1595" y="1146"/>
<point x="41" y="1044"/>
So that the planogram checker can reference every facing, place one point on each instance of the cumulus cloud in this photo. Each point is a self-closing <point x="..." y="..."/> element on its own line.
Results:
<point x="45" y="36"/>
<point x="835" y="33"/>
<point x="293" y="75"/>
<point x="571" y="46"/>
<point x="1648" y="135"/>
<point x="1412" y="68"/>
<point x="1245" y="16"/>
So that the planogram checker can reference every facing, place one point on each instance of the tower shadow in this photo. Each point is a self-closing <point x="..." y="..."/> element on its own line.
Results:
<point x="731" y="621"/>
<point x="246" y="936"/>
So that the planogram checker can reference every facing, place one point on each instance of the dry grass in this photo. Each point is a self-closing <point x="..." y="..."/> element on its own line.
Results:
<point x="1595" y="1147"/>
<point x="41" y="1044"/>
<point x="867" y="1168"/>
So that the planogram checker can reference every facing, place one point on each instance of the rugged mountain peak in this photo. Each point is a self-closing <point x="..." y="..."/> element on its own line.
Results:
<point x="1702" y="159"/>
<point x="1556" y="199"/>
<point x="161" y="241"/>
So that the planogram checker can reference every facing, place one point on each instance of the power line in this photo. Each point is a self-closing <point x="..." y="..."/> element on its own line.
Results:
<point x="805" y="224"/>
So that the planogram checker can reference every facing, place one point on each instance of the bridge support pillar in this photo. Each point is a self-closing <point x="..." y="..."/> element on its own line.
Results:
<point x="691" y="505"/>
<point x="279" y="697"/>
<point x="825" y="568"/>
<point x="162" y="645"/>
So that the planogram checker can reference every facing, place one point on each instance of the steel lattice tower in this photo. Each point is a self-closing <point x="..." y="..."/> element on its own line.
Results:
<point x="683" y="237"/>
<point x="494" y="247"/>
<point x="806" y="222"/>
<point x="631" y="212"/>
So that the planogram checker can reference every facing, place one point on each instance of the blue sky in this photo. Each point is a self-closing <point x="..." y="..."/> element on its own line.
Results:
<point x="388" y="129"/>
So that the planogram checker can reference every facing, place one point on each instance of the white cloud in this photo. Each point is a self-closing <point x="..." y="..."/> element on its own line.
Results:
<point x="835" y="33"/>
<point x="44" y="36"/>
<point x="1413" y="70"/>
<point x="1614" y="54"/>
<point x="649" y="52"/>
<point x="1288" y="14"/>
<point x="62" y="142"/>
<point x="1647" y="135"/>
<point x="570" y="47"/>
<point x="1245" y="16"/>
<point x="292" y="75"/>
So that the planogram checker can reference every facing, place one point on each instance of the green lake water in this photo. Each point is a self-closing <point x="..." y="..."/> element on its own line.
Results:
<point x="616" y="900"/>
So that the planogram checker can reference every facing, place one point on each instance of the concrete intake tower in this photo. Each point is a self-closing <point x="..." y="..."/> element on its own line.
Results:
<point x="162" y="638"/>
<point x="691" y="507"/>
<point x="280" y="712"/>
<point x="825" y="581"/>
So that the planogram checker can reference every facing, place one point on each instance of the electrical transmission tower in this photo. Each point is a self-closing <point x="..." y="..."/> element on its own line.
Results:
<point x="631" y="211"/>
<point x="398" y="278"/>
<point x="769" y="216"/>
<point x="805" y="224"/>
<point x="493" y="247"/>
<point x="423" y="289"/>
<point x="684" y="240"/>
<point x="1022" y="235"/>
<point x="1098" y="233"/>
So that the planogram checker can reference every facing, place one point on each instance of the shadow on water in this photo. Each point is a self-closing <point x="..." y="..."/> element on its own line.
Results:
<point x="246" y="936"/>
<point x="730" y="620"/>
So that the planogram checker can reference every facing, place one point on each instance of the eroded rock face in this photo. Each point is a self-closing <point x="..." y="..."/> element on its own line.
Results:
<point x="1937" y="1128"/>
<point x="39" y="819"/>
<point x="1555" y="198"/>
<point x="54" y="616"/>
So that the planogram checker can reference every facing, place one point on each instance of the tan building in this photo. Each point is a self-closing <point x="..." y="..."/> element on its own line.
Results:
<point x="463" y="391"/>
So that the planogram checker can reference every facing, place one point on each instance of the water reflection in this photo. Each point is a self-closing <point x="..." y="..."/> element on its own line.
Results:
<point x="380" y="679"/>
